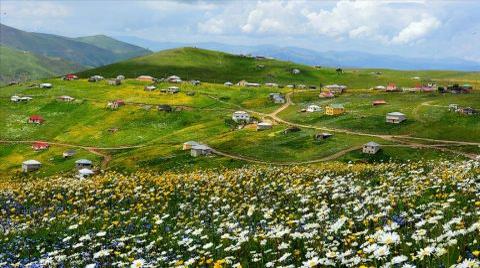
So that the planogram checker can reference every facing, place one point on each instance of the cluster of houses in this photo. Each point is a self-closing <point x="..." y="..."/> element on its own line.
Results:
<point x="462" y="110"/>
<point x="427" y="87"/>
<point x="83" y="166"/>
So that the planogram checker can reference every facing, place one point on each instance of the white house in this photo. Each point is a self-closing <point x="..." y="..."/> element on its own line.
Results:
<point x="85" y="172"/>
<point x="20" y="99"/>
<point x="189" y="144"/>
<point x="295" y="71"/>
<point x="173" y="79"/>
<point x="314" y="108"/>
<point x="264" y="126"/>
<point x="276" y="98"/>
<point x="271" y="84"/>
<point x="83" y="163"/>
<point x="30" y="165"/>
<point x="198" y="150"/>
<point x="239" y="116"/>
<point x="336" y="88"/>
<point x="45" y="85"/>
<point x="228" y="84"/>
<point x="395" y="118"/>
<point x="173" y="90"/>
<point x="371" y="148"/>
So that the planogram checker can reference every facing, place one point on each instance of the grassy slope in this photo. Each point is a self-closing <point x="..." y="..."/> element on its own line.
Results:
<point x="87" y="121"/>
<point x="19" y="65"/>
<point x="121" y="49"/>
<point x="213" y="66"/>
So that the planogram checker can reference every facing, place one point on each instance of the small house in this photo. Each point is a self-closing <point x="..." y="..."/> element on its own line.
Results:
<point x="189" y="144"/>
<point x="69" y="153"/>
<point x="241" y="116"/>
<point x="334" y="109"/>
<point x="120" y="77"/>
<point x="31" y="165"/>
<point x="195" y="82"/>
<point x="95" y="78"/>
<point x="173" y="90"/>
<point x="264" y="126"/>
<point x="276" y="98"/>
<point x="190" y="93"/>
<point x="378" y="102"/>
<point x="174" y="79"/>
<point x="20" y="99"/>
<point x="244" y="83"/>
<point x="336" y="88"/>
<point x="327" y="94"/>
<point x="83" y="163"/>
<point x="271" y="84"/>
<point x="45" y="85"/>
<point x="371" y="148"/>
<point x="114" y="82"/>
<point x="40" y="145"/>
<point x="295" y="71"/>
<point x="199" y="150"/>
<point x="84" y="173"/>
<point x="301" y="86"/>
<point x="380" y="88"/>
<point x="290" y="86"/>
<point x="321" y="136"/>
<point x="466" y="111"/>
<point x="164" y="108"/>
<point x="395" y="118"/>
<point x="391" y="87"/>
<point x="35" y="119"/>
<point x="70" y="77"/>
<point x="228" y="84"/>
<point x="66" y="98"/>
<point x="145" y="78"/>
<point x="291" y="129"/>
<point x="149" y="88"/>
<point x="453" y="107"/>
<point x="314" y="108"/>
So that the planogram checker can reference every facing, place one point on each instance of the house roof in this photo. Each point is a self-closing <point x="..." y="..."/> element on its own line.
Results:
<point x="36" y="117"/>
<point x="83" y="161"/>
<point x="200" y="147"/>
<point x="85" y="171"/>
<point x="264" y="124"/>
<point x="191" y="143"/>
<point x="336" y="105"/>
<point x="396" y="114"/>
<point x="31" y="162"/>
<point x="70" y="152"/>
<point x="372" y="144"/>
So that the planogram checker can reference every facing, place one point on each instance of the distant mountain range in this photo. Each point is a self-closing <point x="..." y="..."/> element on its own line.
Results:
<point x="28" y="55"/>
<point x="345" y="59"/>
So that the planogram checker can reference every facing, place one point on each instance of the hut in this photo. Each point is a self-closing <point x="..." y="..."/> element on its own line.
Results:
<point x="65" y="98"/>
<point x="321" y="136"/>
<point x="45" y="85"/>
<point x="149" y="88"/>
<point x="371" y="148"/>
<point x="35" y="119"/>
<point x="31" y="165"/>
<point x="173" y="79"/>
<point x="334" y="109"/>
<point x="145" y="78"/>
<point x="241" y="116"/>
<point x="199" y="150"/>
<point x="69" y="153"/>
<point x="189" y="144"/>
<point x="84" y="173"/>
<point x="314" y="108"/>
<point x="164" y="108"/>
<point x="228" y="84"/>
<point x="264" y="126"/>
<point x="378" y="102"/>
<point x="395" y="118"/>
<point x="40" y="145"/>
<point x="83" y="163"/>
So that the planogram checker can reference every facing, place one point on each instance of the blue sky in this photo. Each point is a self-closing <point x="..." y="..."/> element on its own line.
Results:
<point x="409" y="28"/>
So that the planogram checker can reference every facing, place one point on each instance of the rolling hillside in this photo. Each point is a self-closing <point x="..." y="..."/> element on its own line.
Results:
<point x="214" y="66"/>
<point x="121" y="49"/>
<point x="89" y="51"/>
<point x="21" y="65"/>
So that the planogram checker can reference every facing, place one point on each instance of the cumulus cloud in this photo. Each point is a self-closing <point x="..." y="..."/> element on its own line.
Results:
<point x="416" y="30"/>
<point x="390" y="22"/>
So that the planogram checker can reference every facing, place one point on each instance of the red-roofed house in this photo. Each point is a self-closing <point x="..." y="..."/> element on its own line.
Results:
<point x="70" y="77"/>
<point x="40" y="145"/>
<point x="391" y="87"/>
<point x="120" y="102"/>
<point x="378" y="102"/>
<point x="35" y="119"/>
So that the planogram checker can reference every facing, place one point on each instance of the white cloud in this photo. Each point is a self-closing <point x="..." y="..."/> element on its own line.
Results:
<point x="416" y="30"/>
<point x="212" y="26"/>
<point x="34" y="10"/>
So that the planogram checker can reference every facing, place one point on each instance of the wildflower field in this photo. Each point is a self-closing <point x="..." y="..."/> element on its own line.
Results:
<point x="422" y="214"/>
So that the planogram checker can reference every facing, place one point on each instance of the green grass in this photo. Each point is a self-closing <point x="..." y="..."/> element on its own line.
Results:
<point x="16" y="65"/>
<point x="86" y="121"/>
<point x="219" y="67"/>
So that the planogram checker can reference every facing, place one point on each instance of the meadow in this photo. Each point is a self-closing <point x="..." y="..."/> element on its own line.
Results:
<point x="411" y="214"/>
<point x="154" y="138"/>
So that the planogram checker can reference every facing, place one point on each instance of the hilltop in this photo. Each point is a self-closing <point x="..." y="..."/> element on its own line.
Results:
<point x="218" y="67"/>
<point x="19" y="65"/>
<point x="87" y="51"/>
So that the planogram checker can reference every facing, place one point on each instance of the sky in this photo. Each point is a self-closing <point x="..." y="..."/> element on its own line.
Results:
<point x="410" y="28"/>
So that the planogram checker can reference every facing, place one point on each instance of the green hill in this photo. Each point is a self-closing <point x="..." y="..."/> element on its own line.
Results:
<point x="21" y="65"/>
<point x="70" y="49"/>
<point x="214" y="66"/>
<point x="121" y="49"/>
